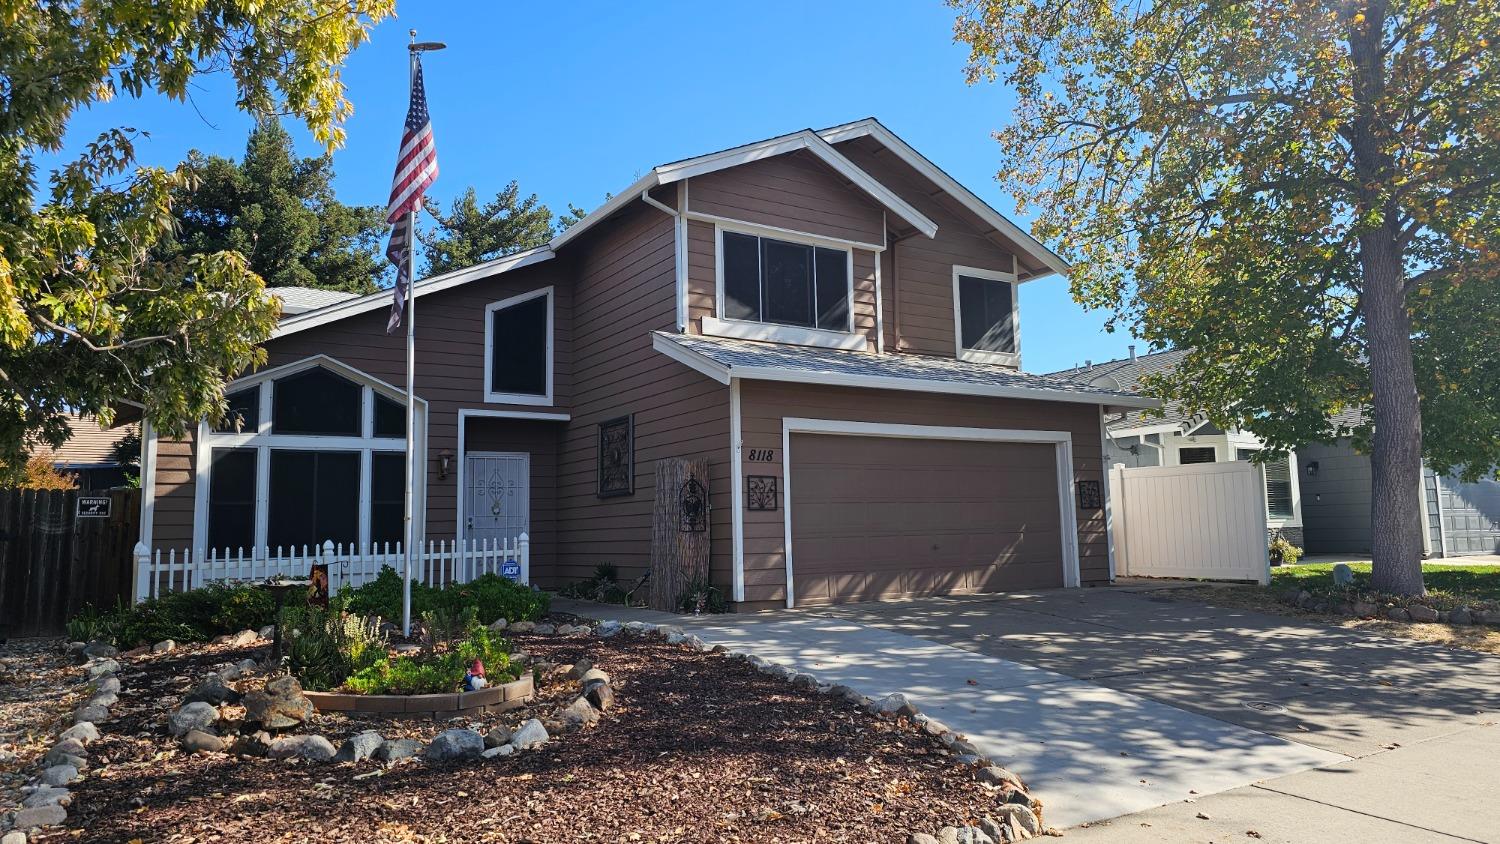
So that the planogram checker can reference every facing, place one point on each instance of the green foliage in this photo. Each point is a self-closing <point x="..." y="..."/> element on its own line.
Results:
<point x="90" y="625"/>
<point x="325" y="646"/>
<point x="434" y="673"/>
<point x="192" y="616"/>
<point x="1450" y="585"/>
<point x="700" y="596"/>
<point x="604" y="587"/>
<point x="89" y="313"/>
<point x="279" y="211"/>
<point x="471" y="233"/>
<point x="491" y="596"/>
<point x="1283" y="552"/>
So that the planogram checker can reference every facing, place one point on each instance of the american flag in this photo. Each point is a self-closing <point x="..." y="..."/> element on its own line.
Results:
<point x="416" y="168"/>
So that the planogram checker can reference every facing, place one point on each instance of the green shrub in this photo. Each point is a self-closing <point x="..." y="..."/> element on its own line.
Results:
<point x="325" y="646"/>
<point x="491" y="596"/>
<point x="1284" y="552"/>
<point x="699" y="596"/>
<point x="91" y="625"/>
<point x="192" y="616"/>
<point x="435" y="673"/>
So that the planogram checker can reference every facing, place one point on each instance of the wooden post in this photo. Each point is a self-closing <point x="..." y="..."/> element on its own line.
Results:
<point x="679" y="530"/>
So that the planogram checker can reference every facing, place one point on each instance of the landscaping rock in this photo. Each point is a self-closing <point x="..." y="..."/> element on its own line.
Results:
<point x="15" y="836"/>
<point x="580" y="668"/>
<point x="498" y="735"/>
<point x="1397" y="614"/>
<point x="59" y="775"/>
<point x="96" y="668"/>
<point x="110" y="683"/>
<point x="995" y="775"/>
<point x="314" y="748"/>
<point x="639" y="627"/>
<point x="498" y="625"/>
<point x="522" y="627"/>
<point x="600" y="695"/>
<point x="531" y="734"/>
<point x="1343" y="576"/>
<point x="83" y="731"/>
<point x="1460" y="616"/>
<point x="213" y="691"/>
<point x="1487" y="617"/>
<point x="360" y="747"/>
<point x="543" y="629"/>
<point x="564" y="630"/>
<point x="804" y="681"/>
<point x="254" y="744"/>
<point x="1021" y="819"/>
<point x="454" y="745"/>
<point x="65" y="751"/>
<point x="238" y="640"/>
<point x="994" y="829"/>
<point x="580" y="713"/>
<point x="47" y="795"/>
<point x="165" y="646"/>
<point x="97" y="650"/>
<point x="948" y="835"/>
<point x="394" y="749"/>
<point x="198" y="741"/>
<point x="40" y="816"/>
<point x="608" y="628"/>
<point x="921" y="838"/>
<point x="193" y="716"/>
<point x="894" y="705"/>
<point x="593" y="675"/>
<point x="974" y="835"/>
<point x="1422" y="613"/>
<point x="280" y="706"/>
<point x="93" y="713"/>
<point x="846" y="693"/>
<point x="1363" y="609"/>
<point x="502" y="750"/>
<point x="933" y="727"/>
<point x="267" y="632"/>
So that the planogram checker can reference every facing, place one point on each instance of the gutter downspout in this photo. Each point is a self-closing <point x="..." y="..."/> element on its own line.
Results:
<point x="896" y="291"/>
<point x="679" y="253"/>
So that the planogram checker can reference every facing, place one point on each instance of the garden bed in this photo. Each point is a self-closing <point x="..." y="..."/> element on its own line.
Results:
<point x="499" y="698"/>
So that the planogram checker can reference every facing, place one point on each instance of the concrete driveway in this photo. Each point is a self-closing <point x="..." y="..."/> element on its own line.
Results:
<point x="1118" y="704"/>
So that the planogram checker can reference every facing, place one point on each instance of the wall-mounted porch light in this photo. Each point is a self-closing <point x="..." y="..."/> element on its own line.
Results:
<point x="445" y="463"/>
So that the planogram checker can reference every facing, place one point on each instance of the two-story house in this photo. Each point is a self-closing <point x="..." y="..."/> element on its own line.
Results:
<point x="827" y="318"/>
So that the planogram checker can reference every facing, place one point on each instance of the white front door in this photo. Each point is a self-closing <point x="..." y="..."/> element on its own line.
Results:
<point x="497" y="496"/>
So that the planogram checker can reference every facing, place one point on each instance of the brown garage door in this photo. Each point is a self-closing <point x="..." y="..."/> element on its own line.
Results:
<point x="879" y="517"/>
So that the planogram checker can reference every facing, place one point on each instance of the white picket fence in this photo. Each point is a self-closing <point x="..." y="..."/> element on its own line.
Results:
<point x="441" y="563"/>
<point x="1204" y="521"/>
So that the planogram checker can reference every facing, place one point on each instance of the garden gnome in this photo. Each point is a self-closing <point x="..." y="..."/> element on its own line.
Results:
<point x="474" y="679"/>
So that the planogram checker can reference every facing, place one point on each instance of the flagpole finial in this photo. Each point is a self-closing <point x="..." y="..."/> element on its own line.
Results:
<point x="413" y="34"/>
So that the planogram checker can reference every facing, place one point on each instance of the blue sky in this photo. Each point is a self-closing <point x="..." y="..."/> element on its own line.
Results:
<point x="573" y="100"/>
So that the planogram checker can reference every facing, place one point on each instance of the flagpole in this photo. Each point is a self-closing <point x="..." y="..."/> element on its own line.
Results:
<point x="409" y="533"/>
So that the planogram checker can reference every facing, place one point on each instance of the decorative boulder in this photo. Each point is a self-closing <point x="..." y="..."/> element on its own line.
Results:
<point x="312" y="748"/>
<point x="600" y="695"/>
<point x="97" y="650"/>
<point x="522" y="627"/>
<point x="501" y="750"/>
<point x="995" y="775"/>
<point x="454" y="745"/>
<point x="499" y="625"/>
<point x="92" y="713"/>
<point x="254" y="744"/>
<point x="580" y="713"/>
<point x="59" y="775"/>
<point x="213" y="691"/>
<point x="498" y="736"/>
<point x="193" y="716"/>
<point x="267" y="632"/>
<point x="238" y="640"/>
<point x="360" y="747"/>
<point x="394" y="749"/>
<point x="607" y="629"/>
<point x="543" y="629"/>
<point x="531" y="734"/>
<point x="83" y="731"/>
<point x="198" y="741"/>
<point x="165" y="646"/>
<point x="96" y="668"/>
<point x="280" y="706"/>
<point x="580" y="668"/>
<point x="108" y="684"/>
<point x="593" y="675"/>
<point x="1420" y="612"/>
<point x="1021" y="819"/>
<point x="39" y="816"/>
<point x="895" y="705"/>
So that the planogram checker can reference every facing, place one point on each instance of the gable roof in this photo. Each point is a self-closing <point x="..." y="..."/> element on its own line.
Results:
<point x="297" y="300"/>
<point x="818" y="143"/>
<point x="723" y="359"/>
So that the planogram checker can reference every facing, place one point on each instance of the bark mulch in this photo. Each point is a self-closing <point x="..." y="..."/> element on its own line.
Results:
<point x="699" y="747"/>
<point x="38" y="689"/>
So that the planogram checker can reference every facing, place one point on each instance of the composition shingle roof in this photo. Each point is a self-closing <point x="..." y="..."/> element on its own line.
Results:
<point x="89" y="444"/>
<point x="726" y="358"/>
<point x="297" y="300"/>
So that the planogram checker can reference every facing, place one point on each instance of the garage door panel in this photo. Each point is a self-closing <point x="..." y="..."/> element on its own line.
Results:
<point x="882" y="517"/>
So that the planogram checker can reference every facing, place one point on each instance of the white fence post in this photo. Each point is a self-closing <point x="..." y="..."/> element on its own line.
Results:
<point x="523" y="553"/>
<point x="1116" y="520"/>
<point x="143" y="572"/>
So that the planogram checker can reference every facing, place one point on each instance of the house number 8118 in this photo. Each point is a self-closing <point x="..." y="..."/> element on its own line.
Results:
<point x="762" y="455"/>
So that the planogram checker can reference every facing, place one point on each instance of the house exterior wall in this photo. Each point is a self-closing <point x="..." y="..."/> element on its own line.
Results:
<point x="791" y="191"/>
<point x="765" y="404"/>
<point x="1336" y="500"/>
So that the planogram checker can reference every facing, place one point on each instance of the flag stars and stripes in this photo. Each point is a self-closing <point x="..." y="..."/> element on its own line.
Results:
<point x="416" y="169"/>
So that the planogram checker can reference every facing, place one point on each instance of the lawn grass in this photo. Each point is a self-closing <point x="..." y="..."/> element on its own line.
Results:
<point x="1459" y="583"/>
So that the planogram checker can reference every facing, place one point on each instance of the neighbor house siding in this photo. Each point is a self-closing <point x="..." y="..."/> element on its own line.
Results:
<point x="1335" y="501"/>
<point x="624" y="290"/>
<point x="765" y="404"/>
<point x="173" y="514"/>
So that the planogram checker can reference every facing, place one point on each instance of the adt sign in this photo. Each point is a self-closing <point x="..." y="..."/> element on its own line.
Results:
<point x="511" y="569"/>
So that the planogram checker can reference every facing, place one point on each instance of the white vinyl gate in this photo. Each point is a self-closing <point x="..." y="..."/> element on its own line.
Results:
<point x="1205" y="521"/>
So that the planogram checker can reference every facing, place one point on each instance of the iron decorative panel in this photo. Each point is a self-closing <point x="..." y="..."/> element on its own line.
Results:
<point x="617" y="457"/>
<point x="760" y="492"/>
<point x="1089" y="495"/>
<point x="693" y="504"/>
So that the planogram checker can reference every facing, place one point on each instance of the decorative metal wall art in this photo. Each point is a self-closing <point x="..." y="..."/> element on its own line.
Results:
<point x="1089" y="496"/>
<point x="693" y="505"/>
<point x="617" y="457"/>
<point x="760" y="492"/>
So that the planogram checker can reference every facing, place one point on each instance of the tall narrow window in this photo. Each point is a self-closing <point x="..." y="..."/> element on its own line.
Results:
<point x="1278" y="472"/>
<point x="231" y="499"/>
<point x="314" y="498"/>
<point x="390" y="418"/>
<point x="520" y="348"/>
<point x="985" y="315"/>
<point x="387" y="496"/>
<point x="787" y="283"/>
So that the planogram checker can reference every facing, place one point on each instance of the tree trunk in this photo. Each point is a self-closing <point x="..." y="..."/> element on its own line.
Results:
<point x="1396" y="455"/>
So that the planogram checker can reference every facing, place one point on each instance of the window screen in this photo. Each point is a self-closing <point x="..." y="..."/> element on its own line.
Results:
<point x="518" y="352"/>
<point x="315" y="402"/>
<point x="387" y="497"/>
<point x="231" y="499"/>
<point x="984" y="315"/>
<point x="1188" y="456"/>
<point x="769" y="280"/>
<point x="390" y="418"/>
<point x="314" y="498"/>
<point x="242" y="414"/>
<point x="1278" y="484"/>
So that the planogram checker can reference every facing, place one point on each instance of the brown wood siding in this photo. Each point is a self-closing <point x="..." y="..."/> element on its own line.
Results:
<point x="925" y="285"/>
<point x="765" y="404"/>
<point x="624" y="290"/>
<point x="172" y="521"/>
<point x="538" y="439"/>
<point x="793" y="191"/>
<point x="864" y="296"/>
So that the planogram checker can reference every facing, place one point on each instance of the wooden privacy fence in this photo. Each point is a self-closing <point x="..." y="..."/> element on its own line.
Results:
<point x="1205" y="521"/>
<point x="61" y="550"/>
<point x="440" y="563"/>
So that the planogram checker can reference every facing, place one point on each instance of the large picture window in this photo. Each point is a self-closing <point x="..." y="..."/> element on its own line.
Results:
<point x="518" y="349"/>
<point x="314" y="498"/>
<point x="985" y="320"/>
<point x="785" y="283"/>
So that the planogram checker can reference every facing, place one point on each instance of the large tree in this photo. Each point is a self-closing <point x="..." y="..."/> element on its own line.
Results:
<point x="279" y="211"/>
<point x="471" y="233"/>
<point x="89" y="312"/>
<point x="1306" y="194"/>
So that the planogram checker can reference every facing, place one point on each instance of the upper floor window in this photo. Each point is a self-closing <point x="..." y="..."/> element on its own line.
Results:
<point x="985" y="316"/>
<point x="315" y="401"/>
<point x="518" y="349"/>
<point x="786" y="283"/>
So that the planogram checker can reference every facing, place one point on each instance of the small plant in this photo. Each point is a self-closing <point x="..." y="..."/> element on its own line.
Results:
<point x="699" y="596"/>
<point x="1283" y="552"/>
<point x="323" y="647"/>
<point x="604" y="587"/>
<point x="90" y="625"/>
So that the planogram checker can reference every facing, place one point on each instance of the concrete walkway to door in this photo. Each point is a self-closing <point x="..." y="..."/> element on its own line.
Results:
<point x="1111" y="702"/>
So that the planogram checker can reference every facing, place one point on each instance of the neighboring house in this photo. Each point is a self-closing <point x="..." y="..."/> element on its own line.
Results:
<point x="300" y="300"/>
<point x="826" y="317"/>
<point x="89" y="453"/>
<point x="1318" y="496"/>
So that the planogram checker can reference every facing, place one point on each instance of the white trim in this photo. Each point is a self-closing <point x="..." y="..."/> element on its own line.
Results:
<point x="202" y="456"/>
<point x="780" y="233"/>
<point x="879" y="308"/>
<point x="1062" y="441"/>
<point x="1142" y="430"/>
<point x="382" y="298"/>
<point x="493" y="413"/>
<point x="667" y="346"/>
<point x="975" y="355"/>
<point x="772" y="332"/>
<point x="680" y="232"/>
<point x="489" y="345"/>
<point x="1109" y="512"/>
<point x="148" y="481"/>
<point x="888" y="139"/>
<point x="737" y="489"/>
<point x="464" y="415"/>
<point x="809" y="140"/>
<point x="338" y="367"/>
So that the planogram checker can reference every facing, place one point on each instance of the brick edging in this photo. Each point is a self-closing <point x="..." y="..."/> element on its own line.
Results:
<point x="500" y="698"/>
